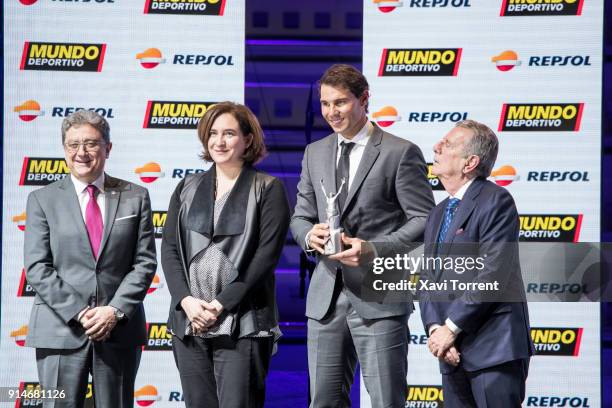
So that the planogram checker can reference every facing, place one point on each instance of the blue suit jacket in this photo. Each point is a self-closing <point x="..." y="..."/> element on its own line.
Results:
<point x="493" y="331"/>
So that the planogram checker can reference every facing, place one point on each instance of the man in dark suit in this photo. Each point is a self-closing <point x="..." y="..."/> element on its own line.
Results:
<point x="384" y="201"/>
<point x="482" y="340"/>
<point x="90" y="256"/>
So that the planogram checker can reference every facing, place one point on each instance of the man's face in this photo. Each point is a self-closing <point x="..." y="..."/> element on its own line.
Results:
<point x="86" y="152"/>
<point x="449" y="157"/>
<point x="345" y="113"/>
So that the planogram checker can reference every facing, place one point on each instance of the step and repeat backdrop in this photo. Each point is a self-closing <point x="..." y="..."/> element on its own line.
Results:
<point x="530" y="70"/>
<point x="152" y="68"/>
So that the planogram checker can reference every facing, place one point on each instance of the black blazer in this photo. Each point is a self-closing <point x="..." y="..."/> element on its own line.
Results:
<point x="251" y="231"/>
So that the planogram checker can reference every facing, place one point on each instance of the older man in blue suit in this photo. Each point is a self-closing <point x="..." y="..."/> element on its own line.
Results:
<point x="483" y="343"/>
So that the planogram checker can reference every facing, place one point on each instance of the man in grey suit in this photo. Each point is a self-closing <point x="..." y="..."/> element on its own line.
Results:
<point x="90" y="256"/>
<point x="384" y="202"/>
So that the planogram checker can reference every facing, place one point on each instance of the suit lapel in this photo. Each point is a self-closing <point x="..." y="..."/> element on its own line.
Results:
<point x="112" y="194"/>
<point x="370" y="154"/>
<point x="74" y="209"/>
<point x="466" y="206"/>
<point x="328" y="168"/>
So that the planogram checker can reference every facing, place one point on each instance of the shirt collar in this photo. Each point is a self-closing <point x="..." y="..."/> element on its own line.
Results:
<point x="461" y="192"/>
<point x="80" y="186"/>
<point x="361" y="138"/>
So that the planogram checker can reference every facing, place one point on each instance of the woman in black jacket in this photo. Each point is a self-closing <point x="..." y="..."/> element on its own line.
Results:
<point x="224" y="233"/>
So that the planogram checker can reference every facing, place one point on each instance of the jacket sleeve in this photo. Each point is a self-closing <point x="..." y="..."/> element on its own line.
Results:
<point x="66" y="301"/>
<point x="170" y="255"/>
<point x="273" y="226"/>
<point x="134" y="286"/>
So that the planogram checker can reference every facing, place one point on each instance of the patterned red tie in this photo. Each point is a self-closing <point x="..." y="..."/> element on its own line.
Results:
<point x="93" y="220"/>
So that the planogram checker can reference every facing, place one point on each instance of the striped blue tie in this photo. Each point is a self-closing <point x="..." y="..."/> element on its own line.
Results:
<point x="451" y="207"/>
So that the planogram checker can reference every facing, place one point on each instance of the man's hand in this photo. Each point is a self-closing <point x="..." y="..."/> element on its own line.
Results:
<point x="452" y="356"/>
<point x="440" y="341"/>
<point x="197" y="313"/>
<point x="319" y="234"/>
<point x="351" y="256"/>
<point x="98" y="322"/>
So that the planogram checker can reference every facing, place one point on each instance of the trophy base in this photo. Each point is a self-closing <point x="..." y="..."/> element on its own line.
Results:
<point x="334" y="243"/>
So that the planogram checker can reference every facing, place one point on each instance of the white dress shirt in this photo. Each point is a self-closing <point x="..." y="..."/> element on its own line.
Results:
<point x="449" y="323"/>
<point x="356" y="153"/>
<point x="83" y="195"/>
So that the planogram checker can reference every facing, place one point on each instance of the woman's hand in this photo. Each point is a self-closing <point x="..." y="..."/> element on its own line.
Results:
<point x="198" y="314"/>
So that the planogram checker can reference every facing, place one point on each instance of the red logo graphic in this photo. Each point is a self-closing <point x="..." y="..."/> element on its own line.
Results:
<point x="20" y="335"/>
<point x="150" y="58"/>
<point x="387" y="6"/>
<point x="504" y="176"/>
<point x="506" y="60"/>
<point x="156" y="284"/>
<point x="28" y="111"/>
<point x="146" y="396"/>
<point x="386" y="116"/>
<point x="20" y="220"/>
<point x="149" y="172"/>
<point x="27" y="2"/>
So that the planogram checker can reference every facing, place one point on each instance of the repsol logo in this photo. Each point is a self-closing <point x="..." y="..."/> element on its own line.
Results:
<point x="174" y="115"/>
<point x="512" y="8"/>
<point x="181" y="173"/>
<point x="43" y="56"/>
<point x="434" y="181"/>
<point x="419" y="340"/>
<point x="556" y="341"/>
<point x="419" y="62"/>
<point x="558" y="176"/>
<point x="159" y="220"/>
<point x="190" y="59"/>
<point x="84" y="1"/>
<point x="158" y="337"/>
<point x="185" y="7"/>
<point x="62" y="112"/>
<point x="421" y="396"/>
<point x="25" y="289"/>
<point x="559" y="60"/>
<point x="40" y="171"/>
<point x="439" y="3"/>
<point x="435" y="117"/>
<point x="533" y="117"/>
<point x="557" y="288"/>
<point x="554" y="401"/>
<point x="550" y="228"/>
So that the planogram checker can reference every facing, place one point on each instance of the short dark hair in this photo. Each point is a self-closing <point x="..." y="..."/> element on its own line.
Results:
<point x="248" y="123"/>
<point x="86" y="117"/>
<point x="347" y="77"/>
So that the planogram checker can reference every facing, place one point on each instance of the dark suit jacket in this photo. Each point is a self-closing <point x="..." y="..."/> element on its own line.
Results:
<point x="493" y="332"/>
<point x="251" y="231"/>
<point x="64" y="273"/>
<point x="387" y="204"/>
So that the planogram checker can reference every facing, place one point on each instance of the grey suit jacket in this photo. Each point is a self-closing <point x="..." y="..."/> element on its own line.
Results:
<point x="387" y="204"/>
<point x="62" y="270"/>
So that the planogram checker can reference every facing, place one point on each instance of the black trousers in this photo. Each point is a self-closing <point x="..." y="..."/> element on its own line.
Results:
<point x="221" y="372"/>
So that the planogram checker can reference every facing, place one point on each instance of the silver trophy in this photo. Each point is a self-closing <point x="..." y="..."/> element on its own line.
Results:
<point x="334" y="244"/>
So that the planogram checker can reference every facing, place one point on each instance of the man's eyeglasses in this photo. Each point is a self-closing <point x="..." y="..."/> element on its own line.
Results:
<point x="88" y="145"/>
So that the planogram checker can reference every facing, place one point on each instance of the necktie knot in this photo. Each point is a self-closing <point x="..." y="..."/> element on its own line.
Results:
<point x="346" y="148"/>
<point x="92" y="190"/>
<point x="452" y="204"/>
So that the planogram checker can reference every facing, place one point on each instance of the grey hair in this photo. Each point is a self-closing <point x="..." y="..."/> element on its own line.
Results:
<point x="483" y="143"/>
<point x="86" y="117"/>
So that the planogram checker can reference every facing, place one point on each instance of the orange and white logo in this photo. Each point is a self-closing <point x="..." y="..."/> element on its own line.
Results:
<point x="20" y="220"/>
<point x="20" y="335"/>
<point x="146" y="396"/>
<point x="28" y="111"/>
<point x="156" y="284"/>
<point x="504" y="176"/>
<point x="506" y="60"/>
<point x="149" y="172"/>
<point x="150" y="58"/>
<point x="387" y="6"/>
<point x="386" y="116"/>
